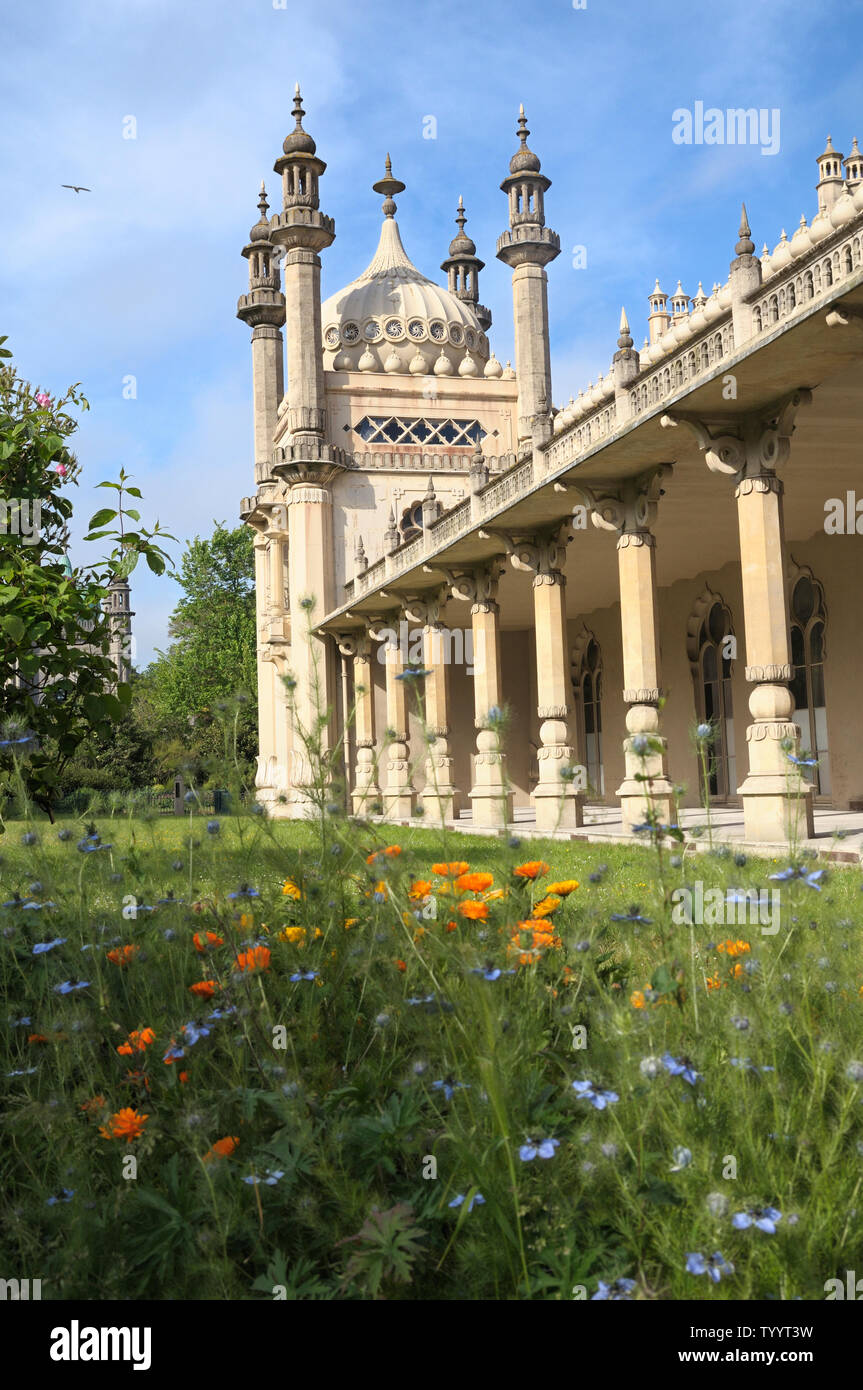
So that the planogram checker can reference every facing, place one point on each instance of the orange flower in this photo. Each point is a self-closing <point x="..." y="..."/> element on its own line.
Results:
<point x="714" y="982"/>
<point x="453" y="926"/>
<point x="419" y="934"/>
<point x="474" y="883"/>
<point x="401" y="966"/>
<point x="453" y="870"/>
<point x="420" y="888"/>
<point x="137" y="1042"/>
<point x="206" y="942"/>
<point x="534" y="869"/>
<point x="223" y="1148"/>
<point x="184" y="1076"/>
<point x="549" y="904"/>
<point x="258" y="958"/>
<point x="122" y="955"/>
<point x="350" y="922"/>
<point x="37" y="1038"/>
<point x="733" y="948"/>
<point x="125" y="1124"/>
<point x="94" y="1103"/>
<point x="205" y="989"/>
<point x="562" y="889"/>
<point x="474" y="910"/>
<point x="393" y="850"/>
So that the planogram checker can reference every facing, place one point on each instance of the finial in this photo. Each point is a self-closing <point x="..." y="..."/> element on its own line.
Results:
<point x="745" y="245"/>
<point x="625" y="339"/>
<point x="522" y="131"/>
<point x="388" y="186"/>
<point x="263" y="205"/>
<point x="298" y="111"/>
<point x="460" y="217"/>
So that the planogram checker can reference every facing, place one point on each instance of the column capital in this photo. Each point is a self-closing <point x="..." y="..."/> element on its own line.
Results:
<point x="540" y="553"/>
<point x="424" y="609"/>
<point x="477" y="585"/>
<point x="629" y="507"/>
<point x="749" y="445"/>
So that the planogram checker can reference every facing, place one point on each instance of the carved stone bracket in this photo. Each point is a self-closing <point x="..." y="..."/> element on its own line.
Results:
<point x="749" y="446"/>
<point x="477" y="586"/>
<point x="630" y="506"/>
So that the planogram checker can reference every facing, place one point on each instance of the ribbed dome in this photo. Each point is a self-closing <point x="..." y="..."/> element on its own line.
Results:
<point x="392" y="309"/>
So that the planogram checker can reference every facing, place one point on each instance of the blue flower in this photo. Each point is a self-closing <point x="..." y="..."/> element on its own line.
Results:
<point x="272" y="1177"/>
<point x="65" y="1196"/>
<point x="89" y="845"/>
<point x="618" y="1292"/>
<point x="713" y="1265"/>
<point x="193" y="1032"/>
<point x="704" y="732"/>
<point x="69" y="986"/>
<point x="477" y="1200"/>
<point x="633" y="915"/>
<point x="29" y="838"/>
<point x="24" y="1022"/>
<point x="765" y="1218"/>
<point x="244" y="892"/>
<point x="12" y="742"/>
<point x="680" y="1066"/>
<point x="304" y="975"/>
<point x="35" y="907"/>
<point x="174" y="1054"/>
<point x="222" y="1013"/>
<point x="213" y="827"/>
<point x="587" y="1090"/>
<point x="64" y="835"/>
<point x="802" y="762"/>
<point x="544" y="1148"/>
<point x="448" y="1086"/>
<point x="798" y="871"/>
<point x="27" y="1071"/>
<point x="42" y="946"/>
<point x="425" y="999"/>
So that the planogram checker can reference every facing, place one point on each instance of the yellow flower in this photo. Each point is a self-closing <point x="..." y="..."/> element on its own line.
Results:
<point x="564" y="888"/>
<point x="290" y="889"/>
<point x="296" y="935"/>
<point x="636" y="999"/>
<point x="547" y="906"/>
<point x="350" y="922"/>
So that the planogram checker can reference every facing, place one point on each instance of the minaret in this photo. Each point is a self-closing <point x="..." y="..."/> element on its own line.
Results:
<point x="854" y="166"/>
<point x="527" y="248"/>
<point x="263" y="308"/>
<point x="830" y="183"/>
<point x="463" y="267"/>
<point x="117" y="606"/>
<point x="659" y="319"/>
<point x="679" y="304"/>
<point x="303" y="230"/>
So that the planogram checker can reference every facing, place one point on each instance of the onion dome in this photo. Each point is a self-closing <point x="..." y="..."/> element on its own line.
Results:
<point x="299" y="141"/>
<point x="393" y="309"/>
<point x="801" y="242"/>
<point x="524" y="160"/>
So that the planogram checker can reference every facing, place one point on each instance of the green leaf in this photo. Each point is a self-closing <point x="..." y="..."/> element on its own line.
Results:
<point x="102" y="517"/>
<point x="13" y="625"/>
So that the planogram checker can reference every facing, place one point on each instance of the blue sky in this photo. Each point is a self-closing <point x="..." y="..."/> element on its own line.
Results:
<point x="140" y="277"/>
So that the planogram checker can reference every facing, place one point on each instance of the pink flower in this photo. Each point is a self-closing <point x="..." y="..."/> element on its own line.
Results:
<point x="43" y="400"/>
<point x="62" y="470"/>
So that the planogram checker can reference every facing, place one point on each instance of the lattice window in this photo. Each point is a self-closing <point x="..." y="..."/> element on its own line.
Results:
<point x="393" y="429"/>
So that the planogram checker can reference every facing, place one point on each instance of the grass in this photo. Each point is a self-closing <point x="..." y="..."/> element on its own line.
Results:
<point x="408" y="1063"/>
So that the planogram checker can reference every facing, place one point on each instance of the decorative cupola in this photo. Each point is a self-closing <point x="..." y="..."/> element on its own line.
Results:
<point x="659" y="319"/>
<point x="700" y="299"/>
<point x="462" y="267"/>
<point x="854" y="166"/>
<point x="527" y="247"/>
<point x="263" y="309"/>
<point x="830" y="180"/>
<point x="303" y="230"/>
<point x="679" y="304"/>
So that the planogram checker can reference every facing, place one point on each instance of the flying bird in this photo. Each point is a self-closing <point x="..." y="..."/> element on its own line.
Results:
<point x="75" y="188"/>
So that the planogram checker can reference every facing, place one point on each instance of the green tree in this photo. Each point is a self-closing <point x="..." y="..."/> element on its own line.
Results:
<point x="56" y="677"/>
<point x="207" y="679"/>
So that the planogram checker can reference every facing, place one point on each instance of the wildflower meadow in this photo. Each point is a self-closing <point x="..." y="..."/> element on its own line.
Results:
<point x="247" y="1059"/>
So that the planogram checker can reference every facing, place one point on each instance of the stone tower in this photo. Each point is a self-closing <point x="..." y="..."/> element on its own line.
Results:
<point x="527" y="247"/>
<point x="118" y="606"/>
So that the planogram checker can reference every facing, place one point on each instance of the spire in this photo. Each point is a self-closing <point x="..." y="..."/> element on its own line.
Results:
<point x="388" y="186"/>
<point x="625" y="339"/>
<point x="745" y="245"/>
<point x="299" y="141"/>
<point x="463" y="266"/>
<point x="263" y="205"/>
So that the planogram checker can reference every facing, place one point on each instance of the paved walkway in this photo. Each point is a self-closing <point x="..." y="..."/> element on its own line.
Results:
<point x="838" y="834"/>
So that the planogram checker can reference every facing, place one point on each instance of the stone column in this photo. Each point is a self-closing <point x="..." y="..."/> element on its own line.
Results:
<point x="366" y="793"/>
<point x="557" y="803"/>
<point x="777" y="801"/>
<point x="267" y="691"/>
<point x="399" y="796"/>
<point x="490" y="795"/>
<point x="441" y="798"/>
<point x="630" y="510"/>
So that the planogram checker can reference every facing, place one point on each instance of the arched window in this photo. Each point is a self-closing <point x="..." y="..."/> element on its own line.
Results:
<point x="808" y="649"/>
<point x="712" y="647"/>
<point x="411" y="524"/>
<point x="587" y="691"/>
